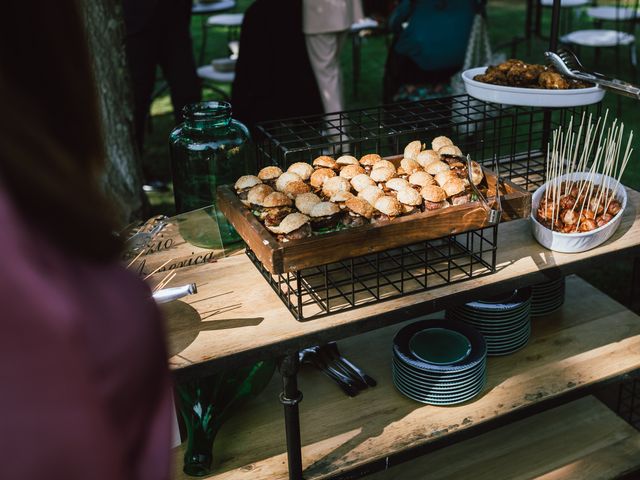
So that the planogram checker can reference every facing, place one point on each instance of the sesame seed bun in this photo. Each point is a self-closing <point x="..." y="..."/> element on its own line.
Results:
<point x="246" y="181"/>
<point x="384" y="164"/>
<point x="436" y="167"/>
<point x="304" y="170"/>
<point x="324" y="209"/>
<point x="370" y="159"/>
<point x="341" y="197"/>
<point x="258" y="193"/>
<point x="433" y="193"/>
<point x="443" y="177"/>
<point x="360" y="206"/>
<point x="291" y="222"/>
<point x="269" y="173"/>
<point x="409" y="196"/>
<point x="421" y="179"/>
<point x="276" y="199"/>
<point x="295" y="188"/>
<point x="371" y="194"/>
<point x="389" y="206"/>
<point x="453" y="187"/>
<point x="450" y="150"/>
<point x="347" y="160"/>
<point x="351" y="171"/>
<point x="397" y="184"/>
<point x="306" y="201"/>
<point x="285" y="178"/>
<point x="412" y="149"/>
<point x="325" y="161"/>
<point x="333" y="185"/>
<point x="320" y="175"/>
<point x="410" y="166"/>
<point x="382" y="174"/>
<point x="439" y="142"/>
<point x="361" y="181"/>
<point x="426" y="157"/>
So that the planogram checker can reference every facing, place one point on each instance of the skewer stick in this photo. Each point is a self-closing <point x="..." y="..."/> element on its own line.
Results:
<point x="165" y="281"/>
<point x="158" y="268"/>
<point x="135" y="259"/>
<point x="623" y="167"/>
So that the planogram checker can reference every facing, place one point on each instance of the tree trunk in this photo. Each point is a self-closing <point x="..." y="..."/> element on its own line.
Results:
<point x="123" y="174"/>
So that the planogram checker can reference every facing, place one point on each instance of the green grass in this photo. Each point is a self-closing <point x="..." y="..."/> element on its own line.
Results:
<point x="506" y="21"/>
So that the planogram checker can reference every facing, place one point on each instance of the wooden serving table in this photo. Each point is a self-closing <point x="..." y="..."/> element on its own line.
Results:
<point x="236" y="319"/>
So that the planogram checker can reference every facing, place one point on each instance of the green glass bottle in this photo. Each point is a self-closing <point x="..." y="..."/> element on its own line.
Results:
<point x="206" y="403"/>
<point x="207" y="150"/>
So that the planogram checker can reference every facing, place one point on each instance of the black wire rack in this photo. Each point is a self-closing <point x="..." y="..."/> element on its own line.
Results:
<point x="629" y="401"/>
<point x="517" y="136"/>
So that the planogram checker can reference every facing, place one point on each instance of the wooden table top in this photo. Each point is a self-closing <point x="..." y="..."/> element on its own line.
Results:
<point x="237" y="318"/>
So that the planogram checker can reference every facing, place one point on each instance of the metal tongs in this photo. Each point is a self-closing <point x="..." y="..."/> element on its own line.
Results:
<point x="568" y="64"/>
<point x="145" y="234"/>
<point x="493" y="212"/>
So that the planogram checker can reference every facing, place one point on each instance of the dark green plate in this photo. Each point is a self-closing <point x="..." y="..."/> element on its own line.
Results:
<point x="440" y="346"/>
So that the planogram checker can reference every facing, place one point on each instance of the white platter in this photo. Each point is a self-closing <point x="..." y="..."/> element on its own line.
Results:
<point x="576" y="242"/>
<point x="528" y="97"/>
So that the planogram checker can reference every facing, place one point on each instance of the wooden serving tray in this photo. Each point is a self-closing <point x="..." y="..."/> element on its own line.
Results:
<point x="332" y="247"/>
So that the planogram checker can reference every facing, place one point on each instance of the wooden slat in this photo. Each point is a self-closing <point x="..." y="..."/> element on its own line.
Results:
<point x="582" y="440"/>
<point x="591" y="339"/>
<point x="236" y="312"/>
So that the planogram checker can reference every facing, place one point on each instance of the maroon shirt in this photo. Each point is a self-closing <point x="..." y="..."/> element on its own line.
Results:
<point x="84" y="387"/>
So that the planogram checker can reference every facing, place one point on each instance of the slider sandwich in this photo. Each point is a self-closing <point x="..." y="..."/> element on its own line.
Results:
<point x="319" y="176"/>
<point x="345" y="160"/>
<point x="371" y="194"/>
<point x="456" y="191"/>
<point x="410" y="166"/>
<point x="434" y="197"/>
<point x="269" y="175"/>
<point x="275" y="207"/>
<point x="439" y="142"/>
<point x="412" y="149"/>
<point x="410" y="200"/>
<point x="420" y="179"/>
<point x="285" y="178"/>
<point x="387" y="208"/>
<point x="333" y="185"/>
<point x="256" y="196"/>
<point x="303" y="170"/>
<point x="325" y="161"/>
<point x="368" y="161"/>
<point x="339" y="198"/>
<point x="325" y="216"/>
<point x="362" y="181"/>
<point x="294" y="226"/>
<point x="426" y="157"/>
<point x="306" y="201"/>
<point x="358" y="212"/>
<point x="244" y="184"/>
<point x="350" y="171"/>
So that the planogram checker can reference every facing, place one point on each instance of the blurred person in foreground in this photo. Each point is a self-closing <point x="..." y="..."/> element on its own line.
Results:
<point x="428" y="48"/>
<point x="85" y="387"/>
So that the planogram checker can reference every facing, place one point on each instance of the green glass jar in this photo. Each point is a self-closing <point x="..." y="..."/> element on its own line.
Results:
<point x="207" y="150"/>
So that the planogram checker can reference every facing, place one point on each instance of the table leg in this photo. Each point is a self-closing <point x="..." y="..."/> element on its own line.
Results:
<point x="290" y="398"/>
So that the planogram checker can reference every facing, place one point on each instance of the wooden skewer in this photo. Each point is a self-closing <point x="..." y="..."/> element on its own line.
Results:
<point x="135" y="259"/>
<point x="158" y="268"/>
<point x="165" y="281"/>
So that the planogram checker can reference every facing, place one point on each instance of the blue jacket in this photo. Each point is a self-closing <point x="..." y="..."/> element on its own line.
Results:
<point x="437" y="32"/>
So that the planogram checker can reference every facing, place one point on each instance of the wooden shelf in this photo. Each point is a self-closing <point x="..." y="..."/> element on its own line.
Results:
<point x="236" y="317"/>
<point x="582" y="440"/>
<point x="591" y="339"/>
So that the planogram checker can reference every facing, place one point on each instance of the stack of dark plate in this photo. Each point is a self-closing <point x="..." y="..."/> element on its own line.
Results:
<point x="439" y="362"/>
<point x="504" y="321"/>
<point x="547" y="297"/>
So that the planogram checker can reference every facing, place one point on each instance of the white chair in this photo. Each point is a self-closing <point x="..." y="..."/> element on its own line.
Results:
<point x="204" y="10"/>
<point x="212" y="78"/>
<point x="571" y="9"/>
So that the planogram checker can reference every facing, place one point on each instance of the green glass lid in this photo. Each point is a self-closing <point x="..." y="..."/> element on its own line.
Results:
<point x="440" y="346"/>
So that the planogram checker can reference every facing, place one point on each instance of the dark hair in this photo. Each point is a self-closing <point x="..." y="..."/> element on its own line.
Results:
<point x="51" y="150"/>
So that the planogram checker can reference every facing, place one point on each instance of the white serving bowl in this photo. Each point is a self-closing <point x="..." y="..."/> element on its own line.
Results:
<point x="576" y="242"/>
<point x="531" y="97"/>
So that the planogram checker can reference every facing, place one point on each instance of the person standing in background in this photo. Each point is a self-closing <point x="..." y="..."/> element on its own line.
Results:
<point x="326" y="24"/>
<point x="158" y="34"/>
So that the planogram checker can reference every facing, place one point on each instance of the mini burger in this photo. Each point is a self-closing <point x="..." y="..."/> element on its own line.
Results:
<point x="371" y="194"/>
<point x="420" y="179"/>
<point x="410" y="166"/>
<point x="269" y="175"/>
<point x="434" y="197"/>
<point x="325" y="161"/>
<point x="455" y="190"/>
<point x="303" y="170"/>
<point x="359" y="212"/>
<point x="395" y="185"/>
<point x="450" y="150"/>
<point x="351" y="171"/>
<point x="333" y="185"/>
<point x="257" y="194"/>
<point x="347" y="160"/>
<point x="381" y="175"/>
<point x="293" y="227"/>
<point x="387" y="208"/>
<point x="443" y="177"/>
<point x="476" y="173"/>
<point x="325" y="216"/>
<point x="426" y="157"/>
<point x="295" y="188"/>
<point x="439" y="142"/>
<point x="319" y="176"/>
<point x="384" y="164"/>
<point x="410" y="200"/>
<point x="340" y="198"/>
<point x="435" y="168"/>
<point x="244" y="184"/>
<point x="275" y="207"/>
<point x="412" y="149"/>
<point x="285" y="178"/>
<point x="306" y="201"/>
<point x="368" y="161"/>
<point x="362" y="181"/>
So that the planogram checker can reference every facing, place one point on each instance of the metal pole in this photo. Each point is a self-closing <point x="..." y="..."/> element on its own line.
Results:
<point x="555" y="25"/>
<point x="290" y="398"/>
